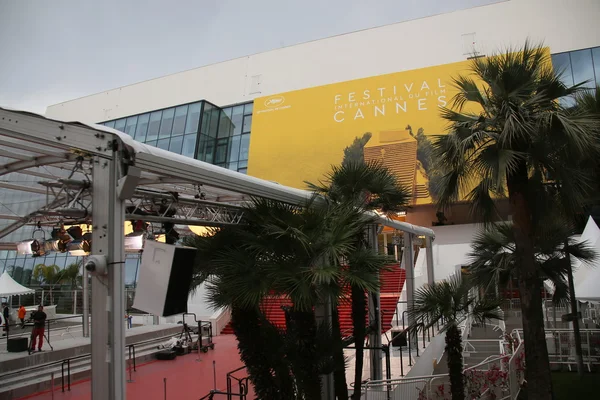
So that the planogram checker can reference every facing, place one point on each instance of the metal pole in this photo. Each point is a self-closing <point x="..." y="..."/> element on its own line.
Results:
<point x="74" y="301"/>
<point x="375" y="317"/>
<point x="108" y="302"/>
<point x="409" y="265"/>
<point x="429" y="255"/>
<point x="86" y="304"/>
<point x="575" y="316"/>
<point x="215" y="374"/>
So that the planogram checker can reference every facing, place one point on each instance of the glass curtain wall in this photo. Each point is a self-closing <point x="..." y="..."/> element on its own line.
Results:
<point x="579" y="67"/>
<point x="200" y="130"/>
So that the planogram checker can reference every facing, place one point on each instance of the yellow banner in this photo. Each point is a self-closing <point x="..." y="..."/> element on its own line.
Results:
<point x="297" y="136"/>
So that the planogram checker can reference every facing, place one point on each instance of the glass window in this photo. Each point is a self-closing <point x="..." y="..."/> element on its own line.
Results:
<point x="151" y="143"/>
<point x="225" y="126"/>
<point x="234" y="152"/>
<point x="110" y="124"/>
<point x="163" y="144"/>
<point x="130" y="126"/>
<point x="232" y="166"/>
<point x="248" y="108"/>
<point x="131" y="268"/>
<point x="596" y="59"/>
<point x="214" y="122"/>
<point x="120" y="124"/>
<point x="247" y="123"/>
<point x="179" y="121"/>
<point x="237" y="117"/>
<point x="154" y="125"/>
<point x="206" y="114"/>
<point x="243" y="164"/>
<point x="209" y="150"/>
<point x="243" y="170"/>
<point x="221" y="151"/>
<point x="227" y="111"/>
<point x="142" y="127"/>
<point x="583" y="68"/>
<point x="244" y="147"/>
<point x="176" y="144"/>
<point x="562" y="66"/>
<point x="166" y="124"/>
<point x="189" y="145"/>
<point x="202" y="147"/>
<point x="193" y="117"/>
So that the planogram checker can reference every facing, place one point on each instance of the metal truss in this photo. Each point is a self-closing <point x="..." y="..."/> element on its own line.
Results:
<point x="152" y="206"/>
<point x="66" y="200"/>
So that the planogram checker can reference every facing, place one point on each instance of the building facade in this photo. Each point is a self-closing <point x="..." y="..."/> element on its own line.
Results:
<point x="287" y="115"/>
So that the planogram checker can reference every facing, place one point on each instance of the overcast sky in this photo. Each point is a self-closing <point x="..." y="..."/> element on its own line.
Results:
<point x="57" y="50"/>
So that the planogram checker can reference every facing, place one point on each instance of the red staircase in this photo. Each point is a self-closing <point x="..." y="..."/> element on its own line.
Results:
<point x="392" y="283"/>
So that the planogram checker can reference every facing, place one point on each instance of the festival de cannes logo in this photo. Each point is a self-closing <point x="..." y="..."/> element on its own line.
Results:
<point x="274" y="101"/>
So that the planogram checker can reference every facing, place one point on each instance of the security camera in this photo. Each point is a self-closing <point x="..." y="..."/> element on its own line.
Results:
<point x="96" y="265"/>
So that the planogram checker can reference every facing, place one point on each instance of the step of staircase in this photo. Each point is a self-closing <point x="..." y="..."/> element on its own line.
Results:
<point x="37" y="380"/>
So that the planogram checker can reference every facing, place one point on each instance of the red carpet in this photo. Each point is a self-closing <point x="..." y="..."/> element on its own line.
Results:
<point x="392" y="283"/>
<point x="186" y="378"/>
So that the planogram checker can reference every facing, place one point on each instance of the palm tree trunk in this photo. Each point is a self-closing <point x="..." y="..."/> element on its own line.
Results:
<point x="359" y="314"/>
<point x="302" y="328"/>
<point x="537" y="373"/>
<point x="339" y="374"/>
<point x="455" y="362"/>
<point x="262" y="354"/>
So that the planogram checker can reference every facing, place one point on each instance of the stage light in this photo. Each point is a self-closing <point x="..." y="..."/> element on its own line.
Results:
<point x="79" y="248"/>
<point x="25" y="247"/>
<point x="58" y="246"/>
<point x="75" y="232"/>
<point x="134" y="242"/>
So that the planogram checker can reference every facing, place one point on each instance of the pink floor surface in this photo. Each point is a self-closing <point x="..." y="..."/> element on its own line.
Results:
<point x="186" y="377"/>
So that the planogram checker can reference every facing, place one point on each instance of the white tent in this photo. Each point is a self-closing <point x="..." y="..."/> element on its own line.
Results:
<point x="8" y="286"/>
<point x="586" y="277"/>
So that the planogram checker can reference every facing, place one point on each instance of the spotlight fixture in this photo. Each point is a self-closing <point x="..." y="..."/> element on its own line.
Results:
<point x="79" y="248"/>
<point x="134" y="242"/>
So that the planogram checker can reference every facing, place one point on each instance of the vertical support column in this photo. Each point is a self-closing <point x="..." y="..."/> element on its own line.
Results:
<point x="86" y="303"/>
<point x="409" y="266"/>
<point x="108" y="292"/>
<point x="429" y="255"/>
<point x="385" y="244"/>
<point x="376" y="353"/>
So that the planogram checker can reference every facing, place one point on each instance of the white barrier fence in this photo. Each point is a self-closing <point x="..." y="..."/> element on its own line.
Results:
<point x="498" y="377"/>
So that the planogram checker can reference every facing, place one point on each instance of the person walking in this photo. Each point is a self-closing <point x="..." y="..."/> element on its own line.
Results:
<point x="5" y="316"/>
<point x="21" y="314"/>
<point x="39" y="323"/>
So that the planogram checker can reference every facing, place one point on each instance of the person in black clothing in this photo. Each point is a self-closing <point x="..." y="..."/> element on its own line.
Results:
<point x="5" y="314"/>
<point x="39" y="324"/>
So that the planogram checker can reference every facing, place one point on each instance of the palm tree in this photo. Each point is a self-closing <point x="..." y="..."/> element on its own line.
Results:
<point x="494" y="261"/>
<point x="71" y="275"/>
<point x="452" y="301"/>
<point x="361" y="187"/>
<point x="288" y="251"/>
<point x="508" y="133"/>
<point x="47" y="275"/>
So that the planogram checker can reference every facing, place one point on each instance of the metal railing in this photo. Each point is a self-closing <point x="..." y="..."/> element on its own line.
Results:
<point x="561" y="346"/>
<point x="66" y="362"/>
<point x="17" y="330"/>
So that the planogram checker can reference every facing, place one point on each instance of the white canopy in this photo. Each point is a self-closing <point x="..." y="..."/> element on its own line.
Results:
<point x="8" y="286"/>
<point x="587" y="276"/>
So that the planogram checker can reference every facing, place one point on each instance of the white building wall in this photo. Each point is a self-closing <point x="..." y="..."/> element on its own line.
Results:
<point x="562" y="25"/>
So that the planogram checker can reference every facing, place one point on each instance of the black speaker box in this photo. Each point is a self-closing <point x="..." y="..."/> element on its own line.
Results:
<point x="164" y="279"/>
<point x="17" y="345"/>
